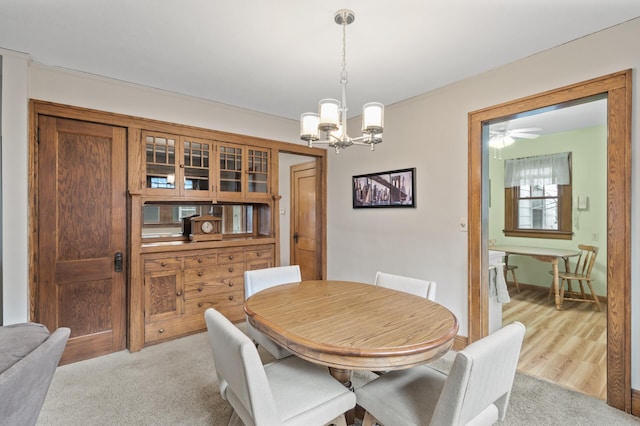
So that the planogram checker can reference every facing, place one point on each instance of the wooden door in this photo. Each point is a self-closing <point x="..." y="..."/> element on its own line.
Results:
<point x="81" y="227"/>
<point x="305" y="232"/>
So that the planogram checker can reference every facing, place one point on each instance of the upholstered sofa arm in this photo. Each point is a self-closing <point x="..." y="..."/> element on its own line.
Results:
<point x="29" y="356"/>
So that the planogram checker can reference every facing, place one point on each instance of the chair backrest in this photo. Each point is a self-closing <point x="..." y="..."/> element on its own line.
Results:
<point x="237" y="363"/>
<point x="481" y="376"/>
<point x="261" y="279"/>
<point x="24" y="385"/>
<point x="586" y="260"/>
<point x="422" y="288"/>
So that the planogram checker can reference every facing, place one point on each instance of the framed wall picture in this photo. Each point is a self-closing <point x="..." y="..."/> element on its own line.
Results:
<point x="395" y="188"/>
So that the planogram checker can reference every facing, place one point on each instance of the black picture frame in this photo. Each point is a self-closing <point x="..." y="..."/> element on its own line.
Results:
<point x="393" y="188"/>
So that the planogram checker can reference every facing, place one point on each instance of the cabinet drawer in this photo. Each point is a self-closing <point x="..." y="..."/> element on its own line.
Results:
<point x="230" y="257"/>
<point x="258" y="254"/>
<point x="163" y="264"/>
<point x="233" y="285"/>
<point x="168" y="329"/>
<point x="208" y="259"/>
<point x="213" y="273"/>
<point x="229" y="305"/>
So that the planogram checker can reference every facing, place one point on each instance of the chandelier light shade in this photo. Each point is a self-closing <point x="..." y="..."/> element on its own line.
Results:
<point x="331" y="119"/>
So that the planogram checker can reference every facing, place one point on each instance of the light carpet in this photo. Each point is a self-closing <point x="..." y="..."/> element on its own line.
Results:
<point x="174" y="383"/>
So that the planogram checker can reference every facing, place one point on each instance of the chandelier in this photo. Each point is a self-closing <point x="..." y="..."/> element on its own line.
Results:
<point x="332" y="116"/>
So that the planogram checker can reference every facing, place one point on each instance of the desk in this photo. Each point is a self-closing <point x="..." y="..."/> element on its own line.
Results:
<point x="353" y="326"/>
<point x="545" y="255"/>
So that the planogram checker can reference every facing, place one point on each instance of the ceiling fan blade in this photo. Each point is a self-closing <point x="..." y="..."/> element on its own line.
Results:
<point x="526" y="130"/>
<point x="523" y="135"/>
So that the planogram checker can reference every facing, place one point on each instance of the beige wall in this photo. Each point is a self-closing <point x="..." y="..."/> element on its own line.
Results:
<point x="428" y="132"/>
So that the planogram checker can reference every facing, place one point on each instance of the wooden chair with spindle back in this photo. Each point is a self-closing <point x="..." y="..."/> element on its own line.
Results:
<point x="581" y="274"/>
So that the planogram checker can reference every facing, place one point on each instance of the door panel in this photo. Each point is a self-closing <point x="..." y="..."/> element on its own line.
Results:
<point x="304" y="229"/>
<point x="81" y="225"/>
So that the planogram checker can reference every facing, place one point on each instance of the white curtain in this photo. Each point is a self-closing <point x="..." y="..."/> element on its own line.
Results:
<point x="540" y="170"/>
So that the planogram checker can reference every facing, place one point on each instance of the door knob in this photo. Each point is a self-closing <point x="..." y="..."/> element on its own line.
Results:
<point x="295" y="237"/>
<point x="117" y="262"/>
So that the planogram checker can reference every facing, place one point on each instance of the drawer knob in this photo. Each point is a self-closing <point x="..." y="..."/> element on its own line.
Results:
<point x="200" y="304"/>
<point x="259" y="254"/>
<point x="199" y="260"/>
<point x="230" y="257"/>
<point x="161" y="331"/>
<point x="230" y="297"/>
<point x="199" y="288"/>
<point x="230" y="283"/>
<point x="200" y="273"/>
<point x="179" y="293"/>
<point x="163" y="263"/>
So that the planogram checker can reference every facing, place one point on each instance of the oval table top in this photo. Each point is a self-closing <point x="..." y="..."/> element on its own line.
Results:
<point x="353" y="326"/>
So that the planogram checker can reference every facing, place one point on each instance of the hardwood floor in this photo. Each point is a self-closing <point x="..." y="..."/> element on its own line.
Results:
<point x="567" y="347"/>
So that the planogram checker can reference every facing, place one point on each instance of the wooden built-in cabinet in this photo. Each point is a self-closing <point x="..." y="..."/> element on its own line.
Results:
<point x="169" y="281"/>
<point x="179" y="287"/>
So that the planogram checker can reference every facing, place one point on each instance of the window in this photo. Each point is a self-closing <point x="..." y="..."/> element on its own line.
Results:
<point x="538" y="198"/>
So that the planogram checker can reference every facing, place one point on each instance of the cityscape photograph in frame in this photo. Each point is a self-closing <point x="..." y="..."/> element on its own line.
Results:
<point x="395" y="188"/>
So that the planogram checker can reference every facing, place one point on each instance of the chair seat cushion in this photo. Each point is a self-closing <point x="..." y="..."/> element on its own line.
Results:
<point x="19" y="340"/>
<point x="403" y="397"/>
<point x="317" y="403"/>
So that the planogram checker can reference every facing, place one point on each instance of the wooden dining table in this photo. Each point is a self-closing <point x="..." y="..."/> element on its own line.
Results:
<point x="353" y="326"/>
<point x="544" y="254"/>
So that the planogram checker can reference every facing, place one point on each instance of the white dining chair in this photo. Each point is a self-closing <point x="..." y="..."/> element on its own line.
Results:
<point x="289" y="391"/>
<point x="476" y="390"/>
<point x="422" y="288"/>
<point x="262" y="279"/>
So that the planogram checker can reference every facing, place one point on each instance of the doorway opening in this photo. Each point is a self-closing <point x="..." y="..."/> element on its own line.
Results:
<point x="617" y="89"/>
<point x="540" y="202"/>
<point x="301" y="213"/>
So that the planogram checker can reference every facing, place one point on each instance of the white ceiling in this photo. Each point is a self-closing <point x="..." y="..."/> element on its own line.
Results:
<point x="282" y="56"/>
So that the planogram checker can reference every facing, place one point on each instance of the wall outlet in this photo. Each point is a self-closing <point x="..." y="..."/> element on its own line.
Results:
<point x="462" y="224"/>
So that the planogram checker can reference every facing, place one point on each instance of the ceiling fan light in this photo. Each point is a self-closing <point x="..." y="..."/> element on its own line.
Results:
<point x="507" y="140"/>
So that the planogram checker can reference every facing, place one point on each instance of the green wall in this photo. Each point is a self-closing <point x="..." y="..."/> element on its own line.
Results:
<point x="589" y="176"/>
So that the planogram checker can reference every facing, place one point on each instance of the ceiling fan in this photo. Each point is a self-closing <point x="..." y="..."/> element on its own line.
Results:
<point x="501" y="138"/>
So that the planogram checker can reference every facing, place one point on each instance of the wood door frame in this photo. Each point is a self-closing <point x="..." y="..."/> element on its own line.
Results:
<point x="293" y="209"/>
<point x="318" y="155"/>
<point x="618" y="89"/>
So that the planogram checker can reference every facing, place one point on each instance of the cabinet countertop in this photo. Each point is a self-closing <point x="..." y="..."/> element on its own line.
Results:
<point x="169" y="246"/>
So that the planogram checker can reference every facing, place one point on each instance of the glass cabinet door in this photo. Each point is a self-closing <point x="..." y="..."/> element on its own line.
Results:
<point x="258" y="171"/>
<point x="231" y="169"/>
<point x="197" y="171"/>
<point x="178" y="166"/>
<point x="161" y="161"/>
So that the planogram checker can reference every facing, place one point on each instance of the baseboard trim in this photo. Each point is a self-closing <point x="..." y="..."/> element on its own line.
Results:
<point x="635" y="402"/>
<point x="533" y="287"/>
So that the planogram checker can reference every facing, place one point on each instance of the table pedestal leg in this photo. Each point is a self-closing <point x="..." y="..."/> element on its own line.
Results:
<point x="344" y="377"/>
<point x="556" y="287"/>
